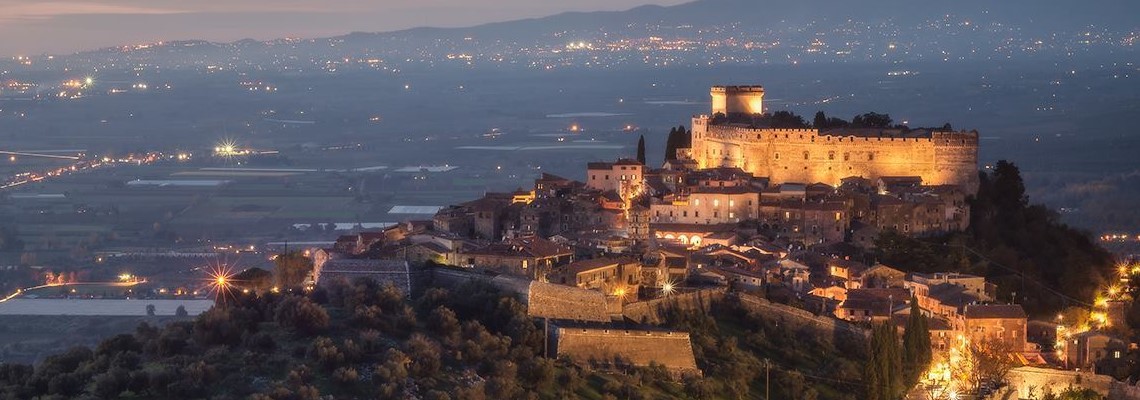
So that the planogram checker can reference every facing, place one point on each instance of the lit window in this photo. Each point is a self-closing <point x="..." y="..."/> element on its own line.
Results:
<point x="716" y="203"/>
<point x="732" y="203"/>
<point x="697" y="202"/>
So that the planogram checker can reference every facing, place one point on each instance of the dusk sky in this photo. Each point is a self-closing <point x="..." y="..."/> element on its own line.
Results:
<point x="35" y="26"/>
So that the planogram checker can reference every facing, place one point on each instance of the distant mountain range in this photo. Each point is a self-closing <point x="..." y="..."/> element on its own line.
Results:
<point x="696" y="33"/>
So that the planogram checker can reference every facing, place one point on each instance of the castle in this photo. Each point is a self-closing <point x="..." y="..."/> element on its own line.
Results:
<point x="814" y="156"/>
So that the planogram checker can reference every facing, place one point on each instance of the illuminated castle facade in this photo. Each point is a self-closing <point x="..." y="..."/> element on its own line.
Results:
<point x="811" y="156"/>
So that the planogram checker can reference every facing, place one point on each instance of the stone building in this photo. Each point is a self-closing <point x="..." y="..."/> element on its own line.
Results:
<point x="609" y="275"/>
<point x="708" y="205"/>
<point x="1004" y="324"/>
<point x="621" y="176"/>
<point x="807" y="221"/>
<point x="809" y="155"/>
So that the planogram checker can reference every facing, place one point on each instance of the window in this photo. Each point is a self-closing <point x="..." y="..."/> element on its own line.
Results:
<point x="716" y="202"/>
<point x="732" y="203"/>
<point x="697" y="202"/>
<point x="805" y="155"/>
<point x="870" y="156"/>
<point x="831" y="155"/>
<point x="731" y="214"/>
<point x="777" y="156"/>
<point x="684" y="213"/>
<point x="846" y="156"/>
<point x="696" y="214"/>
<point x="716" y="214"/>
<point x="607" y="177"/>
<point x="593" y="177"/>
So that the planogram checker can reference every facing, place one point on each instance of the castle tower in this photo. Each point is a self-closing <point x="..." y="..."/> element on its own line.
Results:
<point x="737" y="100"/>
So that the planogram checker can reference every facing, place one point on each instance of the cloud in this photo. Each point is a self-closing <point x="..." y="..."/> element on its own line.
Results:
<point x="34" y="10"/>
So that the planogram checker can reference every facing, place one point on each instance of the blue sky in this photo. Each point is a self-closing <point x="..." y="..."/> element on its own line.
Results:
<point x="51" y="26"/>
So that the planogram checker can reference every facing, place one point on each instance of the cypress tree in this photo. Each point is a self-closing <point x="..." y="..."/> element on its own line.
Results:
<point x="875" y="368"/>
<point x="820" y="121"/>
<point x="671" y="145"/>
<point x="916" y="344"/>
<point x="641" y="150"/>
<point x="884" y="367"/>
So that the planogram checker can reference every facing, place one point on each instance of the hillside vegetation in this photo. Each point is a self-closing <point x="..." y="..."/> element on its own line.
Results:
<point x="365" y="341"/>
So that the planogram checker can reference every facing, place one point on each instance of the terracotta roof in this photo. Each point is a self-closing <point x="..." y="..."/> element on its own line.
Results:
<point x="876" y="300"/>
<point x="901" y="180"/>
<point x="995" y="311"/>
<point x="724" y="190"/>
<point x="578" y="267"/>
<point x="539" y="248"/>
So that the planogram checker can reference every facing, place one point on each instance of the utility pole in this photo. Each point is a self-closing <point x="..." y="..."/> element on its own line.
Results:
<point x="767" y="379"/>
<point x="890" y="306"/>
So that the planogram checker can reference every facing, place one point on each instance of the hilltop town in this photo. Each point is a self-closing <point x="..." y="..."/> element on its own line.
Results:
<point x="748" y="204"/>
<point x="764" y="255"/>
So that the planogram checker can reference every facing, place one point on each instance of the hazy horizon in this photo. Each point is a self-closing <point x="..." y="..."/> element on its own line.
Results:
<point x="57" y="27"/>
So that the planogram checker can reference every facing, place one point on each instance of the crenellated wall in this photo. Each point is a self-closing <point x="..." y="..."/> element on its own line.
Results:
<point x="807" y="156"/>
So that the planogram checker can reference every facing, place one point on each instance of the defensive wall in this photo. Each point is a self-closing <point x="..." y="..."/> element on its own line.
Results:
<point x="543" y="300"/>
<point x="607" y="346"/>
<point x="1033" y="382"/>
<point x="796" y="318"/>
<point x="809" y="156"/>
<point x="649" y="312"/>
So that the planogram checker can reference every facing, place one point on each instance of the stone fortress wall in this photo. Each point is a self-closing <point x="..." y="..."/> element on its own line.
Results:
<point x="810" y="156"/>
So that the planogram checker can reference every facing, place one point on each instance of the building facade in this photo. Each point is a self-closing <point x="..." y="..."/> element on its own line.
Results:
<point x="809" y="155"/>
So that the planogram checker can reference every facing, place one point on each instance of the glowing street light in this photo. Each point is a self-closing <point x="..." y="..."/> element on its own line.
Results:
<point x="221" y="282"/>
<point x="668" y="288"/>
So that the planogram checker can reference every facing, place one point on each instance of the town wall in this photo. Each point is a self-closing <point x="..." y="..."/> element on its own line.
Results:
<point x="649" y="312"/>
<point x="602" y="346"/>
<point x="796" y="318"/>
<point x="1032" y="382"/>
<point x="807" y="156"/>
